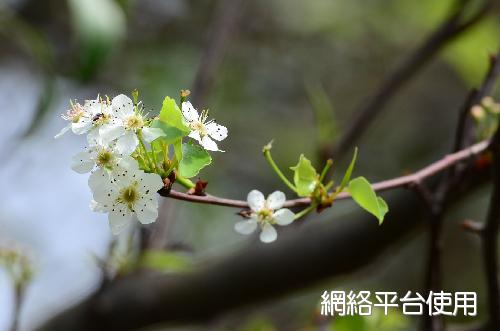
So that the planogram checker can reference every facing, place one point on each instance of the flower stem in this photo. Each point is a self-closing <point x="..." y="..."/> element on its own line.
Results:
<point x="184" y="181"/>
<point x="329" y="185"/>
<point x="143" y="145"/>
<point x="304" y="211"/>
<point x="155" y="160"/>
<point x="269" y="158"/>
<point x="327" y="167"/>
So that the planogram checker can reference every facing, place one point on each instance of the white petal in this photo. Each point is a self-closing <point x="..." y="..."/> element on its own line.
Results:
<point x="246" y="227"/>
<point x="92" y="107"/>
<point x="127" y="143"/>
<point x="268" y="233"/>
<point x="93" y="138"/>
<point x="147" y="210"/>
<point x="216" y="131"/>
<point x="276" y="200"/>
<point x="97" y="207"/>
<point x="256" y="200"/>
<point x="209" y="144"/>
<point x="82" y="163"/>
<point x="150" y="182"/>
<point x="284" y="216"/>
<point x="188" y="111"/>
<point x="122" y="106"/>
<point x="195" y="135"/>
<point x="63" y="131"/>
<point x="102" y="187"/>
<point x="82" y="126"/>
<point x="151" y="134"/>
<point x="110" y="132"/>
<point x="119" y="220"/>
<point x="128" y="163"/>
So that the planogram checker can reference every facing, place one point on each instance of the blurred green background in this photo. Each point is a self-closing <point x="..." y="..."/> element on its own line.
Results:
<point x="293" y="71"/>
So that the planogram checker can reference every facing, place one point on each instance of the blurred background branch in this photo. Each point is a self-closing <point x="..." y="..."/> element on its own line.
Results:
<point x="460" y="20"/>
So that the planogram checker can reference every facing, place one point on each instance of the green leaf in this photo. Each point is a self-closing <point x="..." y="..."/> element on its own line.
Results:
<point x="305" y="177"/>
<point x="364" y="195"/>
<point x="178" y="151"/>
<point x="172" y="134"/>
<point x="171" y="114"/>
<point x="194" y="158"/>
<point x="348" y="173"/>
<point x="166" y="261"/>
<point x="171" y="122"/>
<point x="383" y="207"/>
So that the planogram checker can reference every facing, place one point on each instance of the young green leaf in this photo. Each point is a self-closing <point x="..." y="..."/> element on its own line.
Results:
<point x="166" y="261"/>
<point x="305" y="177"/>
<point x="171" y="114"/>
<point x="383" y="207"/>
<point x="364" y="195"/>
<point x="194" y="158"/>
<point x="171" y="122"/>
<point x="172" y="134"/>
<point x="178" y="150"/>
<point x="348" y="173"/>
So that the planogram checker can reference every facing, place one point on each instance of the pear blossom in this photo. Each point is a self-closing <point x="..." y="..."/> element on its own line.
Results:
<point x="265" y="213"/>
<point x="203" y="131"/>
<point x="105" y="157"/>
<point x="128" y="123"/>
<point x="131" y="192"/>
<point x="78" y="118"/>
<point x="93" y="117"/>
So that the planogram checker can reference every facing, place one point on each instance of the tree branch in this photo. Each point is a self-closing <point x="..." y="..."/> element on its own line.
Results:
<point x="404" y="181"/>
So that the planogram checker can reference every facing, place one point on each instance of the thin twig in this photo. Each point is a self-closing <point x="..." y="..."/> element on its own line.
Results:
<point x="403" y="181"/>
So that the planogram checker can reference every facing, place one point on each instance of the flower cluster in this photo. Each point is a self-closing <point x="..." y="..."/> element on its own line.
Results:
<point x="122" y="153"/>
<point x="114" y="130"/>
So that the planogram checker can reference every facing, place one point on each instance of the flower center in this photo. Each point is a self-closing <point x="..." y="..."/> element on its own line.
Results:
<point x="74" y="114"/>
<point x="200" y="127"/>
<point x="104" y="158"/>
<point x="129" y="195"/>
<point x="265" y="215"/>
<point x="134" y="122"/>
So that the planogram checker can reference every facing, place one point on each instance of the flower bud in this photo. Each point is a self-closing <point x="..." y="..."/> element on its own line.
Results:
<point x="477" y="112"/>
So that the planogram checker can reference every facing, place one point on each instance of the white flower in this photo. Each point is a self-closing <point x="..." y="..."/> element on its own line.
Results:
<point x="125" y="128"/>
<point x="265" y="212"/>
<point x="105" y="157"/>
<point x="94" y="117"/>
<point x="130" y="192"/>
<point x="201" y="130"/>
<point x="79" y="119"/>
